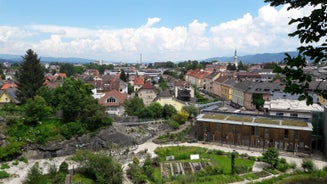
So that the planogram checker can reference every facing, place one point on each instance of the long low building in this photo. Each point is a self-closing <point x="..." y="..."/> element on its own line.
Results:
<point x="255" y="131"/>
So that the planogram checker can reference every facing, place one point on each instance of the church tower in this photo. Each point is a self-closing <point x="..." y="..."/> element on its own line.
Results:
<point x="235" y="59"/>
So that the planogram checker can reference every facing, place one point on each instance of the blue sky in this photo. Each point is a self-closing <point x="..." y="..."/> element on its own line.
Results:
<point x="161" y="30"/>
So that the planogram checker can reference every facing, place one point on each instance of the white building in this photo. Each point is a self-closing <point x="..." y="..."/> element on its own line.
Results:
<point x="291" y="108"/>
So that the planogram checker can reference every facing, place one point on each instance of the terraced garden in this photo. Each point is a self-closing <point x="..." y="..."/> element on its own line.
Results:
<point x="212" y="164"/>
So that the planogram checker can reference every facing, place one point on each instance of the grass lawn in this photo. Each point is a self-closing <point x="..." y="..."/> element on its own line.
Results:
<point x="266" y="121"/>
<point x="294" y="123"/>
<point x="214" y="116"/>
<point x="240" y="118"/>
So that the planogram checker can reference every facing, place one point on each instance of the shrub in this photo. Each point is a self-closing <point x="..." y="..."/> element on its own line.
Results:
<point x="308" y="165"/>
<point x="282" y="167"/>
<point x="260" y="159"/>
<point x="4" y="174"/>
<point x="63" y="168"/>
<point x="173" y="124"/>
<point x="15" y="162"/>
<point x="5" y="166"/>
<point x="293" y="165"/>
<point x="325" y="168"/>
<point x="240" y="169"/>
<point x="23" y="159"/>
<point x="244" y="155"/>
<point x="219" y="152"/>
<point x="253" y="158"/>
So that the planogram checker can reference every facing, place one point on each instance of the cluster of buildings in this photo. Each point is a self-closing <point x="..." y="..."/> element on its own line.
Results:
<point x="282" y="122"/>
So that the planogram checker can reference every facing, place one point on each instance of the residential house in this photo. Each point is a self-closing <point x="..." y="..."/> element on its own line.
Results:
<point x="113" y="101"/>
<point x="250" y="76"/>
<point x="165" y="98"/>
<point x="227" y="89"/>
<point x="8" y="93"/>
<point x="239" y="90"/>
<point x="216" y="85"/>
<point x="147" y="93"/>
<point x="197" y="77"/>
<point x="138" y="82"/>
<point x="209" y="80"/>
<point x="266" y="89"/>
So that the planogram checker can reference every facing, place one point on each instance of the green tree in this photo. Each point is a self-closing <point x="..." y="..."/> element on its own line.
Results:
<point x="34" y="176"/>
<point x="36" y="109"/>
<point x="241" y="66"/>
<point x="77" y="104"/>
<point x="67" y="68"/>
<point x="156" y="109"/>
<point x="123" y="76"/>
<point x="168" y="111"/>
<point x="311" y="31"/>
<point x="147" y="167"/>
<point x="257" y="100"/>
<point x="271" y="156"/>
<point x="71" y="96"/>
<point x="133" y="106"/>
<point x="191" y="110"/>
<point x="99" y="167"/>
<point x="231" y="67"/>
<point x="130" y="88"/>
<point x="270" y="65"/>
<point x="233" y="156"/>
<point x="181" y="117"/>
<point x="29" y="77"/>
<point x="162" y="83"/>
<point x="48" y="95"/>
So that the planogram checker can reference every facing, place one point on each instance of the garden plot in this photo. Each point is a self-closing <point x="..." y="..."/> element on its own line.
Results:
<point x="181" y="168"/>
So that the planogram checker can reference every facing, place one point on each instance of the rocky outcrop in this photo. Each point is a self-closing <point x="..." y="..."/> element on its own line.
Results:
<point x="103" y="139"/>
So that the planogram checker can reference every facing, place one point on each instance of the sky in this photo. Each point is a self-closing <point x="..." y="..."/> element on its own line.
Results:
<point x="160" y="30"/>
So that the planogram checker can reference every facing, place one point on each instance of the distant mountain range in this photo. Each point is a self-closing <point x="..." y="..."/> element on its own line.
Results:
<point x="256" y="58"/>
<point x="16" y="58"/>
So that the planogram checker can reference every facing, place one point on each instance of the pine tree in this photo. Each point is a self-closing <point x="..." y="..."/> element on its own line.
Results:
<point x="29" y="77"/>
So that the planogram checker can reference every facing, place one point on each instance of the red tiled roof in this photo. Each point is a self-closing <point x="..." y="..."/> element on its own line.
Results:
<point x="202" y="74"/>
<point x="120" y="98"/>
<point x="198" y="73"/>
<point x="138" y="80"/>
<point x="221" y="79"/>
<point x="8" y="85"/>
<point x="62" y="75"/>
<point x="147" y="86"/>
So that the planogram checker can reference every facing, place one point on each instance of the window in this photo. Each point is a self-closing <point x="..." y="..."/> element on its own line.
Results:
<point x="279" y="114"/>
<point x="293" y="115"/>
<point x="111" y="100"/>
<point x="296" y="134"/>
<point x="257" y="131"/>
<point x="266" y="132"/>
<point x="218" y="127"/>
<point x="252" y="130"/>
<point x="285" y="133"/>
<point x="230" y="128"/>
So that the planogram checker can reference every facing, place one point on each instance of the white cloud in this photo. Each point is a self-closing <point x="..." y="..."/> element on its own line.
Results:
<point x="152" y="21"/>
<point x="268" y="32"/>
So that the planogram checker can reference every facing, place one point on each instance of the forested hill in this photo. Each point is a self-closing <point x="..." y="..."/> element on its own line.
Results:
<point x="256" y="58"/>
